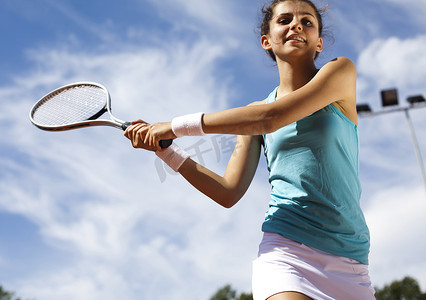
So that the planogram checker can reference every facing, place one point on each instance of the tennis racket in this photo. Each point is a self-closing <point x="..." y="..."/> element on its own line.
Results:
<point x="77" y="105"/>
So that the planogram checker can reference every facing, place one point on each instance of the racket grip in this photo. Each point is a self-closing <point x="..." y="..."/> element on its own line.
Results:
<point x="163" y="143"/>
<point x="125" y="125"/>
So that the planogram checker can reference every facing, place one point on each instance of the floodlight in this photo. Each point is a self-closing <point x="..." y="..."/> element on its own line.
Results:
<point x="363" y="108"/>
<point x="416" y="99"/>
<point x="389" y="97"/>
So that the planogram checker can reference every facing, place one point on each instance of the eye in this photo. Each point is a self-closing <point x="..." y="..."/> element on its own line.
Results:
<point x="284" y="21"/>
<point x="307" y="22"/>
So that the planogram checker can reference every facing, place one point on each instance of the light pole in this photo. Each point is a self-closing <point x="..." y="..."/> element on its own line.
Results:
<point x="390" y="99"/>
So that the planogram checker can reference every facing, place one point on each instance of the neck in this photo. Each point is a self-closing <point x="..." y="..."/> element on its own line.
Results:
<point x="294" y="75"/>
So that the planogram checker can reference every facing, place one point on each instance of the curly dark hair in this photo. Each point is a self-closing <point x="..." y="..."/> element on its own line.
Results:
<point x="268" y="12"/>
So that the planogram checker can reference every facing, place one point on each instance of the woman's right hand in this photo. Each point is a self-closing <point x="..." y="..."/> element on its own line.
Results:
<point x="136" y="134"/>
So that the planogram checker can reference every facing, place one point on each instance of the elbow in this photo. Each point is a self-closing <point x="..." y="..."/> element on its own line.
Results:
<point x="228" y="200"/>
<point x="229" y="204"/>
<point x="270" y="120"/>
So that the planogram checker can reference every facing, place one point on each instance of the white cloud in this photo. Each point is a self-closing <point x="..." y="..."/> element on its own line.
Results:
<point x="392" y="63"/>
<point x="230" y="23"/>
<point x="396" y="221"/>
<point x="102" y="202"/>
<point x="394" y="194"/>
<point x="215" y="15"/>
<point x="416" y="8"/>
<point x="120" y="231"/>
<point x="395" y="62"/>
<point x="101" y="31"/>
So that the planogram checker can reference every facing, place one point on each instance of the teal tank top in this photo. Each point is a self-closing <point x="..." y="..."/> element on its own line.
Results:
<point x="315" y="199"/>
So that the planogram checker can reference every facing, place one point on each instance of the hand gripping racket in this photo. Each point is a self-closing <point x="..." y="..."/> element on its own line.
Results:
<point x="77" y="105"/>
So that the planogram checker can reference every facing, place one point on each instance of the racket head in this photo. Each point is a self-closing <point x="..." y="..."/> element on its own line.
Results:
<point x="73" y="106"/>
<point x="77" y="105"/>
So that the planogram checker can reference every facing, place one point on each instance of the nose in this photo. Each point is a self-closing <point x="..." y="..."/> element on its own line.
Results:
<point x="296" y="25"/>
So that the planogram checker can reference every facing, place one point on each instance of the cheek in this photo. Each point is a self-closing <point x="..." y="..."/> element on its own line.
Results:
<point x="277" y="34"/>
<point x="313" y="33"/>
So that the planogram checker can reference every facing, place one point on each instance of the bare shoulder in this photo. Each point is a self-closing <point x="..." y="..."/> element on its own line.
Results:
<point x="340" y="74"/>
<point x="341" y="64"/>
<point x="343" y="60"/>
<point x="343" y="71"/>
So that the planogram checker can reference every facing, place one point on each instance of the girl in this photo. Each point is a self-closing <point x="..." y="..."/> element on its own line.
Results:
<point x="316" y="241"/>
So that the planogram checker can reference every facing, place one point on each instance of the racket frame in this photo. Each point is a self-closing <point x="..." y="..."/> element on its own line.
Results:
<point x="91" y="121"/>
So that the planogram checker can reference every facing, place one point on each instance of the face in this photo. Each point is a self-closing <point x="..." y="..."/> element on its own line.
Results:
<point x="293" y="31"/>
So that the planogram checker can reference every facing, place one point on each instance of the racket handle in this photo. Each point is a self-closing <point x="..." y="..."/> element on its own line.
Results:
<point x="163" y="143"/>
<point x="125" y="125"/>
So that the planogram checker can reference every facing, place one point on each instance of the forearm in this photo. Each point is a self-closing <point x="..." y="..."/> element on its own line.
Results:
<point x="227" y="190"/>
<point x="209" y="183"/>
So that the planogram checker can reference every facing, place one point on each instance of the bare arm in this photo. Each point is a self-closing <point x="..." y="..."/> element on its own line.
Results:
<point x="228" y="189"/>
<point x="334" y="84"/>
<point x="225" y="190"/>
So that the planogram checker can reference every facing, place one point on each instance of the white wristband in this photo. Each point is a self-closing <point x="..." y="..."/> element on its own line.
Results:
<point x="173" y="156"/>
<point x="188" y="125"/>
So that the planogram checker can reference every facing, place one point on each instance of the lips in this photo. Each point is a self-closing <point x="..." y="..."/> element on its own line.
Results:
<point x="295" y="38"/>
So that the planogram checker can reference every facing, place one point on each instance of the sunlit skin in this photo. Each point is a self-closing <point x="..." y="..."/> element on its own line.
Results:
<point x="294" y="39"/>
<point x="303" y="88"/>
<point x="293" y="31"/>
<point x="289" y="296"/>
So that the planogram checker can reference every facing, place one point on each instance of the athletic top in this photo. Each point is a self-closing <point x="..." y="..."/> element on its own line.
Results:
<point x="315" y="199"/>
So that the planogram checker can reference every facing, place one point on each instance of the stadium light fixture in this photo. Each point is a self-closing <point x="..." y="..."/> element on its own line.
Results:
<point x="363" y="108"/>
<point x="413" y="100"/>
<point x="389" y="97"/>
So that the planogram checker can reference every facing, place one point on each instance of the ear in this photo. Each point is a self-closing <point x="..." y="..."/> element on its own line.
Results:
<point x="264" y="40"/>
<point x="320" y="45"/>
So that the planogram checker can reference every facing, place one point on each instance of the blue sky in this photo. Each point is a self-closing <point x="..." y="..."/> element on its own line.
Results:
<point x="85" y="216"/>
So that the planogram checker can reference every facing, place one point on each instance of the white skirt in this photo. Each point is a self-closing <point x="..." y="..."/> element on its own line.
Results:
<point x="287" y="266"/>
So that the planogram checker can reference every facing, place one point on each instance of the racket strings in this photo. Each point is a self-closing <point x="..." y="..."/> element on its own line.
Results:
<point x="71" y="105"/>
